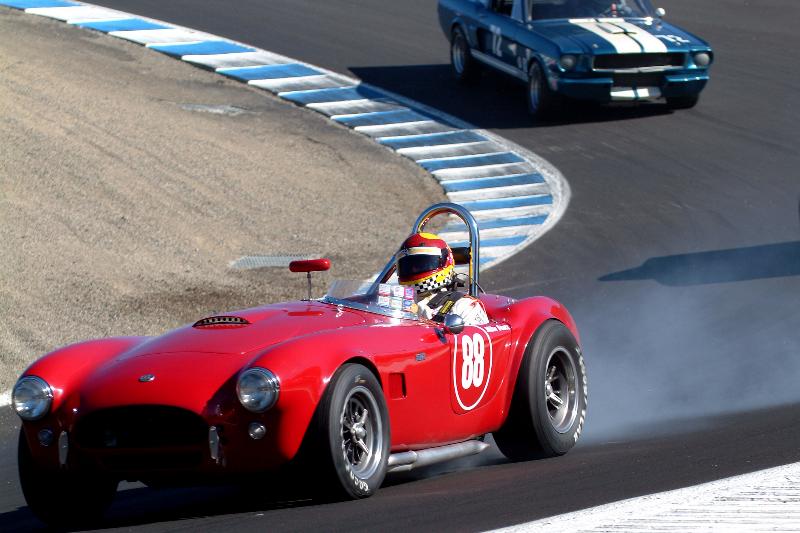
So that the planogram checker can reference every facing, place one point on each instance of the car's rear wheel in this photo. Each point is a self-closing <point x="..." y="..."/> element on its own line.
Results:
<point x="62" y="498"/>
<point x="683" y="102"/>
<point x="549" y="404"/>
<point x="464" y="67"/>
<point x="542" y="101"/>
<point x="350" y="443"/>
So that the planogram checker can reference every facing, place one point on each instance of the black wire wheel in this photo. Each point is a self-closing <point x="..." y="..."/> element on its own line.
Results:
<point x="347" y="446"/>
<point x="542" y="101"/>
<point x="463" y="64"/>
<point x="548" y="409"/>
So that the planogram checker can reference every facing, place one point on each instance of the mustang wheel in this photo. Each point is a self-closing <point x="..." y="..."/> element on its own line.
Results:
<point x="542" y="101"/>
<point x="63" y="499"/>
<point x="683" y="102"/>
<point x="464" y="67"/>
<point x="549" y="405"/>
<point x="352" y="434"/>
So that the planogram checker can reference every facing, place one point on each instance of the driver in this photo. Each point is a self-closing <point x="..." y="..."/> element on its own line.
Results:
<point x="426" y="262"/>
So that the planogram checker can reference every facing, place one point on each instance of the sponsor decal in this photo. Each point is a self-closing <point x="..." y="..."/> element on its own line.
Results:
<point x="384" y="301"/>
<point x="398" y="291"/>
<point x="408" y="305"/>
<point x="409" y="293"/>
<point x="397" y="303"/>
<point x="384" y="289"/>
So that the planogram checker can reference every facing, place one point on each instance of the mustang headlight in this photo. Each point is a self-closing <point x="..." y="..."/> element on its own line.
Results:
<point x="32" y="398"/>
<point x="258" y="389"/>
<point x="702" y="59"/>
<point x="568" y="61"/>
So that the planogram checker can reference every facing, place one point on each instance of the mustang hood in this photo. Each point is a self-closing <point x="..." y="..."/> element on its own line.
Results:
<point x="199" y="360"/>
<point x="616" y="35"/>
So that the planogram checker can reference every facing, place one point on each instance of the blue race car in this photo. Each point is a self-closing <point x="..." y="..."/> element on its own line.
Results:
<point x="598" y="50"/>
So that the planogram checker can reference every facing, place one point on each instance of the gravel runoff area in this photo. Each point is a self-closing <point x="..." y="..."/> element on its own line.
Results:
<point x="129" y="181"/>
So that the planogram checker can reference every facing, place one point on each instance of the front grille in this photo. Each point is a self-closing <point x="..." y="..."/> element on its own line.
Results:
<point x="639" y="80"/>
<point x="143" y="426"/>
<point x="137" y="462"/>
<point x="623" y="61"/>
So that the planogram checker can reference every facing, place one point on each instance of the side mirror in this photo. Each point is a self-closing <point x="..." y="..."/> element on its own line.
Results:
<point x="453" y="323"/>
<point x="661" y="12"/>
<point x="308" y="266"/>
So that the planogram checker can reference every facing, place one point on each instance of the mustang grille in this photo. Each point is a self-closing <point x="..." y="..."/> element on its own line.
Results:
<point x="141" y="427"/>
<point x="639" y="80"/>
<point x="624" y="61"/>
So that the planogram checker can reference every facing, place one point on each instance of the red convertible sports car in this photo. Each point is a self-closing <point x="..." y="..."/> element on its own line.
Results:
<point x="351" y="386"/>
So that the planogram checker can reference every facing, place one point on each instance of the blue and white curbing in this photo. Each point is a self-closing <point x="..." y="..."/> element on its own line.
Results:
<point x="515" y="195"/>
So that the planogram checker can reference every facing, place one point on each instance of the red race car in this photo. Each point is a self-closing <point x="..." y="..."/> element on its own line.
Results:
<point x="352" y="386"/>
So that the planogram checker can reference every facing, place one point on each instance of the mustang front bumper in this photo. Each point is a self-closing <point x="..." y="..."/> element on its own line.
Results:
<point x="623" y="87"/>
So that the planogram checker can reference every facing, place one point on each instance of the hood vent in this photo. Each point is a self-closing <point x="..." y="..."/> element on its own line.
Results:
<point x="221" y="321"/>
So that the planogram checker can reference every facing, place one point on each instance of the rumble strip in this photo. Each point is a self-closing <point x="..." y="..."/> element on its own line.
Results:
<point x="515" y="195"/>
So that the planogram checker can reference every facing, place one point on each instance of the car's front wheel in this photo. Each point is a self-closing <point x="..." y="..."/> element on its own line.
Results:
<point x="62" y="498"/>
<point x="549" y="404"/>
<point x="542" y="101"/>
<point x="351" y="435"/>
<point x="464" y="67"/>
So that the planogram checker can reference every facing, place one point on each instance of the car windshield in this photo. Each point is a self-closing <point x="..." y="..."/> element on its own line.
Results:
<point x="389" y="299"/>
<point x="569" y="9"/>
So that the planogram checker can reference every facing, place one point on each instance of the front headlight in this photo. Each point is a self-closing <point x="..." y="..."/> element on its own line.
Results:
<point x="702" y="59"/>
<point x="568" y="62"/>
<point x="32" y="398"/>
<point x="258" y="389"/>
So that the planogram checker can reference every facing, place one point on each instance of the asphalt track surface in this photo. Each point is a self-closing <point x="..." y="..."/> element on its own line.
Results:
<point x="679" y="256"/>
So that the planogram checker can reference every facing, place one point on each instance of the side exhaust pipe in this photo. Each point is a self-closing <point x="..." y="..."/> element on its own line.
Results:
<point x="405" y="461"/>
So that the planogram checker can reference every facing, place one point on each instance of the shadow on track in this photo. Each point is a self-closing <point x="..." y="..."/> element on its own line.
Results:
<point x="719" y="266"/>
<point x="493" y="102"/>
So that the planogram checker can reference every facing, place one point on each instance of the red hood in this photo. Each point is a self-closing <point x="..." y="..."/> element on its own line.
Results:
<point x="190" y="365"/>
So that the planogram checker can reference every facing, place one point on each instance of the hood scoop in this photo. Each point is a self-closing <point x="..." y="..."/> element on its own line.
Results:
<point x="220" y="322"/>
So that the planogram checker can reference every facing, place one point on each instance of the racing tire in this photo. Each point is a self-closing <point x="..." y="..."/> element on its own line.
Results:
<point x="543" y="102"/>
<point x="350" y="436"/>
<point x="465" y="68"/>
<point x="548" y="408"/>
<point x="683" y="102"/>
<point x="63" y="499"/>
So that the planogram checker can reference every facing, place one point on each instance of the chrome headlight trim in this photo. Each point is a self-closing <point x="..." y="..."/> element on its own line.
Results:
<point x="32" y="398"/>
<point x="258" y="389"/>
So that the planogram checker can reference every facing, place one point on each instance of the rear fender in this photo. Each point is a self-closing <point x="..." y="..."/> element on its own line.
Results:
<point x="526" y="317"/>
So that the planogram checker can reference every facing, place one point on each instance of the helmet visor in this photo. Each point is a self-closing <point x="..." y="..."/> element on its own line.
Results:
<point x="411" y="266"/>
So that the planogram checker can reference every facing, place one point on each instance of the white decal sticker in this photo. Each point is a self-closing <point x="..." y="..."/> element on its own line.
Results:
<point x="472" y="367"/>
<point x="674" y="39"/>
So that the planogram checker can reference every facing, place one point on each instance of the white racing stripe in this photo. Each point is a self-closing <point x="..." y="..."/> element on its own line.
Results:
<point x="650" y="43"/>
<point x="767" y="500"/>
<point x="616" y="36"/>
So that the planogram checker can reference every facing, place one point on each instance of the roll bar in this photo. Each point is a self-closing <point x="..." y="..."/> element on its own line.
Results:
<point x="474" y="241"/>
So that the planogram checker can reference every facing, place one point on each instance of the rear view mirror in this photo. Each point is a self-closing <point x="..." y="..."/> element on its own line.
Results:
<point x="453" y="323"/>
<point x="308" y="266"/>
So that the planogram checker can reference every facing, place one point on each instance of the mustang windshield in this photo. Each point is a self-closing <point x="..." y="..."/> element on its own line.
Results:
<point x="575" y="9"/>
<point x="388" y="299"/>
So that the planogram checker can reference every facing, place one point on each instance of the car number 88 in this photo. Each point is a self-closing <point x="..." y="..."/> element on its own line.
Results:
<point x="472" y="366"/>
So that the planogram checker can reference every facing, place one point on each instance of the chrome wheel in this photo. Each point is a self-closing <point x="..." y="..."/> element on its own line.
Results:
<point x="458" y="54"/>
<point x="560" y="390"/>
<point x="361" y="432"/>
<point x="534" y="89"/>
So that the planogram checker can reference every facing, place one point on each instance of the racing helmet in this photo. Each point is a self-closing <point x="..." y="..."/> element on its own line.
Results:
<point x="426" y="262"/>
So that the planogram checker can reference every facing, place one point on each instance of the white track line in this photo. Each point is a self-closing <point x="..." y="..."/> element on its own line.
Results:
<point x="767" y="500"/>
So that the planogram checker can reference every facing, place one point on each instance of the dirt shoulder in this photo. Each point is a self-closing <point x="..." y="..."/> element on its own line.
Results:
<point x="129" y="182"/>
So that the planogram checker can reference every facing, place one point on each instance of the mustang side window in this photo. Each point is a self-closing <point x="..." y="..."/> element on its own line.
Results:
<point x="504" y="7"/>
